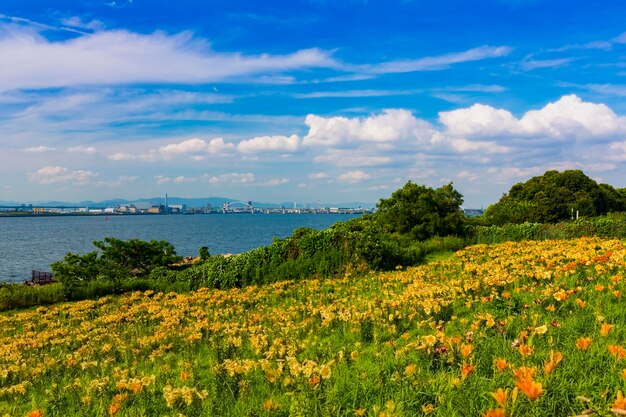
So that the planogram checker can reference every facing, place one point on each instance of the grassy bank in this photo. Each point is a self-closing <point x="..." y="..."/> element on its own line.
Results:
<point x="522" y="329"/>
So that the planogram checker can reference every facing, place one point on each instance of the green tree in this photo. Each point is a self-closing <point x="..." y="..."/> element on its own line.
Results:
<point x="422" y="212"/>
<point x="553" y="197"/>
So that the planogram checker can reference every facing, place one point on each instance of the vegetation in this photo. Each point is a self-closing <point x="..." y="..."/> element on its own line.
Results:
<point x="532" y="329"/>
<point x="553" y="197"/>
<point x="422" y="212"/>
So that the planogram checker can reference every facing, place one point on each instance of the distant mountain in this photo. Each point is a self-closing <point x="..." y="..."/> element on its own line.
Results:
<point x="189" y="202"/>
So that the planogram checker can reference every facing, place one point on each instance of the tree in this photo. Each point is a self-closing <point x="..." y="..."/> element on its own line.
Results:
<point x="422" y="212"/>
<point x="553" y="196"/>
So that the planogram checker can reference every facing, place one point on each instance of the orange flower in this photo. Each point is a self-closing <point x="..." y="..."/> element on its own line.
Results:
<point x="523" y="373"/>
<point x="184" y="375"/>
<point x="583" y="343"/>
<point x="35" y="413"/>
<point x="466" y="350"/>
<point x="581" y="303"/>
<point x="620" y="402"/>
<point x="496" y="412"/>
<point x="616" y="278"/>
<point x="555" y="359"/>
<point x="525" y="350"/>
<point x="500" y="395"/>
<point x="314" y="380"/>
<point x="605" y="329"/>
<point x="530" y="388"/>
<point x="599" y="287"/>
<point x="506" y="294"/>
<point x="617" y="351"/>
<point x="617" y="294"/>
<point x="466" y="370"/>
<point x="560" y="295"/>
<point x="501" y="364"/>
<point x="114" y="408"/>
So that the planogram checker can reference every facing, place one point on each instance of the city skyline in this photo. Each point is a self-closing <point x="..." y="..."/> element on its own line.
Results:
<point x="306" y="100"/>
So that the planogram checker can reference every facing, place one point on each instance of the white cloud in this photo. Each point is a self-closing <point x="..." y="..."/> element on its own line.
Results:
<point x="109" y="57"/>
<point x="218" y="146"/>
<point x="89" y="150"/>
<point x="40" y="149"/>
<point x="318" y="175"/>
<point x="56" y="174"/>
<point x="194" y="145"/>
<point x="354" y="177"/>
<point x="274" y="182"/>
<point x="349" y="159"/>
<point x="390" y="126"/>
<point x="233" y="178"/>
<point x="437" y="62"/>
<point x="567" y="118"/>
<point x="270" y="144"/>
<point x="181" y="179"/>
<point x="160" y="179"/>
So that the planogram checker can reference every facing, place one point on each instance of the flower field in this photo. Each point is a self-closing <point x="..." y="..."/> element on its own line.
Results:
<point x="515" y="329"/>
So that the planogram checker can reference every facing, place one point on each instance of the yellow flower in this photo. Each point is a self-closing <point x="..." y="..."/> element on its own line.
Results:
<point x="501" y="364"/>
<point x="410" y="369"/>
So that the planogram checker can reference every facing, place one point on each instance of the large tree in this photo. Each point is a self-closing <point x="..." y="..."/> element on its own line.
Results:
<point x="422" y="212"/>
<point x="553" y="197"/>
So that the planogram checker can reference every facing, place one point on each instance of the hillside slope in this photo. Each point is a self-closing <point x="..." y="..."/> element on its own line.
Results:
<point x="529" y="328"/>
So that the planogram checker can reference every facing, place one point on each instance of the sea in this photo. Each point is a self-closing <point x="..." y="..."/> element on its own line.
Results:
<point x="33" y="243"/>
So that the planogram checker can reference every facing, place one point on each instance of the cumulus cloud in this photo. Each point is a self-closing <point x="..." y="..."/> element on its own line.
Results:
<point x="40" y="149"/>
<point x="233" y="178"/>
<point x="269" y="144"/>
<point x="567" y="118"/>
<point x="194" y="145"/>
<point x="390" y="126"/>
<point x="89" y="150"/>
<point x="354" y="177"/>
<point x="109" y="57"/>
<point x="49" y="175"/>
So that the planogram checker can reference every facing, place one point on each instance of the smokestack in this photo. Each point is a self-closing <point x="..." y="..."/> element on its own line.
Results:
<point x="166" y="210"/>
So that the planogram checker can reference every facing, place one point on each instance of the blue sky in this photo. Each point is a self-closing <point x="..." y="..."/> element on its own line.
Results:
<point x="306" y="100"/>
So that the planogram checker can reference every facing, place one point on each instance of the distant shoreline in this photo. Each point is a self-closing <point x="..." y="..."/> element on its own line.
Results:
<point x="155" y="214"/>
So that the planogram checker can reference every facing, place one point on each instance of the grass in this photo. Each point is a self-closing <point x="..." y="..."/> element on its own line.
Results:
<point x="437" y="339"/>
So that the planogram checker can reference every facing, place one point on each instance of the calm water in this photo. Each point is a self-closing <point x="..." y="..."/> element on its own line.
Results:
<point x="28" y="243"/>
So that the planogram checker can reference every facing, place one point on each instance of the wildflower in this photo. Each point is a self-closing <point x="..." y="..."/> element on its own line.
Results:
<point x="466" y="370"/>
<point x="616" y="278"/>
<point x="525" y="350"/>
<point x="560" y="295"/>
<point x="114" y="408"/>
<point x="500" y="395"/>
<point x="530" y="388"/>
<point x="314" y="380"/>
<point x="269" y="405"/>
<point x="354" y="355"/>
<point x="555" y="359"/>
<point x="583" y="343"/>
<point x="360" y="412"/>
<point x="466" y="350"/>
<point x="410" y="369"/>
<point x="617" y="294"/>
<point x="617" y="351"/>
<point x="497" y="412"/>
<point x="35" y="413"/>
<point x="599" y="287"/>
<point x="620" y="402"/>
<point x="428" y="408"/>
<point x="325" y="372"/>
<point x="541" y="329"/>
<point x="605" y="329"/>
<point x="501" y="364"/>
<point x="523" y="373"/>
<point x="581" y="303"/>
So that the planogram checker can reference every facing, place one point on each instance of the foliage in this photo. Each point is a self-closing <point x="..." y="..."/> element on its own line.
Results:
<point x="612" y="225"/>
<point x="13" y="296"/>
<point x="422" y="212"/>
<point x="554" y="197"/>
<point x="117" y="261"/>
<point x="516" y="329"/>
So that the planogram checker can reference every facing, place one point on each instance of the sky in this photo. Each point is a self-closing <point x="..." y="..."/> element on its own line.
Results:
<point x="306" y="100"/>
